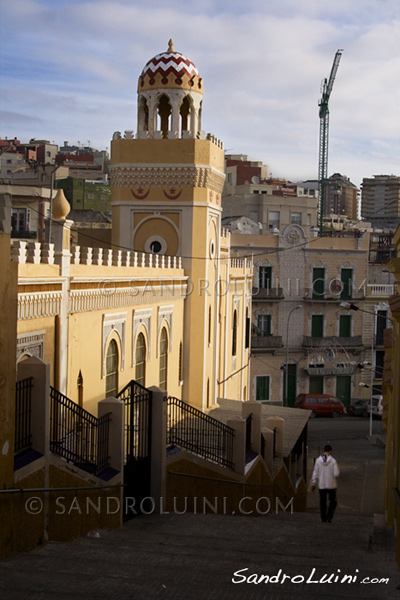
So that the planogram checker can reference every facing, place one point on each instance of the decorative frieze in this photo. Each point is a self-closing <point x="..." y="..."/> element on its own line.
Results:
<point x="30" y="344"/>
<point x="38" y="304"/>
<point x="107" y="296"/>
<point x="166" y="177"/>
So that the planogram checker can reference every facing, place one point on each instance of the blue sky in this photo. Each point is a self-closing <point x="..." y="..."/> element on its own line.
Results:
<point x="69" y="70"/>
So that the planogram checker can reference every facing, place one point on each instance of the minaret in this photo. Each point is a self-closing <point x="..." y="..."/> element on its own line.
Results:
<point x="167" y="184"/>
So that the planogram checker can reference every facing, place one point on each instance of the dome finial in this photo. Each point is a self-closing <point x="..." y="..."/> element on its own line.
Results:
<point x="171" y="46"/>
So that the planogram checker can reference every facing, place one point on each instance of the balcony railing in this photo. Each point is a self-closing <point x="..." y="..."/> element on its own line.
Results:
<point x="338" y="370"/>
<point x="378" y="289"/>
<point x="266" y="341"/>
<point x="24" y="235"/>
<point x="333" y="293"/>
<point x="323" y="342"/>
<point x="77" y="435"/>
<point x="274" y="293"/>
<point x="199" y="433"/>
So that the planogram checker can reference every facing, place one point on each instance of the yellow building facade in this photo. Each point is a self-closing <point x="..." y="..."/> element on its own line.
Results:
<point x="391" y="407"/>
<point x="166" y="305"/>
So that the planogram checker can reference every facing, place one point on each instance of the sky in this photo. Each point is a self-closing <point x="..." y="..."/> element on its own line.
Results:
<point x="69" y="72"/>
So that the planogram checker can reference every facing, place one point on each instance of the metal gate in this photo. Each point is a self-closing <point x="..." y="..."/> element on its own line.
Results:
<point x="137" y="448"/>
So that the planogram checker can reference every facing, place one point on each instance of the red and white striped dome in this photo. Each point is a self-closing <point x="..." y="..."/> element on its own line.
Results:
<point x="171" y="70"/>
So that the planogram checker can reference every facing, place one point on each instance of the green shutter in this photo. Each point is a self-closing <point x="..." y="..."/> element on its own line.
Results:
<point x="343" y="389"/>
<point x="262" y="387"/>
<point x="345" y="326"/>
<point x="317" y="326"/>
<point x="318" y="289"/>
<point x="347" y="280"/>
<point x="316" y="384"/>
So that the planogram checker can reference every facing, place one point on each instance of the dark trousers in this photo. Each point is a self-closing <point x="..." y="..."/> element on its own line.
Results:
<point x="327" y="512"/>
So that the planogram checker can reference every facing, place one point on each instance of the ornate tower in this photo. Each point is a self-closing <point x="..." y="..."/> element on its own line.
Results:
<point x="167" y="183"/>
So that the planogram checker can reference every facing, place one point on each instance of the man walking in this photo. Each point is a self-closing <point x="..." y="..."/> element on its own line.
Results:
<point x="325" y="472"/>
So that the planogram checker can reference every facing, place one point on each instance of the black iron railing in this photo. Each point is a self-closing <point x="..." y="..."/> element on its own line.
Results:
<point x="77" y="435"/>
<point x="23" y="409"/>
<point x="137" y="400"/>
<point x="199" y="433"/>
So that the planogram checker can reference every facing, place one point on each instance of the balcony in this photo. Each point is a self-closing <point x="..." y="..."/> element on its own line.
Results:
<point x="332" y="295"/>
<point x="266" y="342"/>
<point x="380" y="289"/>
<point x="338" y="370"/>
<point x="24" y="235"/>
<point x="323" y="342"/>
<point x="267" y="294"/>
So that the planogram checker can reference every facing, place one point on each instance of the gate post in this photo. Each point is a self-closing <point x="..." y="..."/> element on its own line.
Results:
<point x="116" y="432"/>
<point x="158" y="446"/>
<point x="40" y="417"/>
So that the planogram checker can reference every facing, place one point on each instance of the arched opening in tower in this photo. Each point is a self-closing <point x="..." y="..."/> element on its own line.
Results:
<point x="200" y="115"/>
<point x="164" y="115"/>
<point x="143" y="117"/>
<point x="185" y="112"/>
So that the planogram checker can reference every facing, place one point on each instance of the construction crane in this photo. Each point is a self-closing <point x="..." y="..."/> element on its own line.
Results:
<point x="326" y="89"/>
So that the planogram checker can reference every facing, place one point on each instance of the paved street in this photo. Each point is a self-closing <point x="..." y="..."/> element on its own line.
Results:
<point x="175" y="557"/>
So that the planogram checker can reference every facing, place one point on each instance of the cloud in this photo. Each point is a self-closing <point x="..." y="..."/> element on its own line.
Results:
<point x="73" y="65"/>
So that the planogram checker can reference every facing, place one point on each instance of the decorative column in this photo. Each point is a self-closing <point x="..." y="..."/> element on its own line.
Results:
<point x="61" y="238"/>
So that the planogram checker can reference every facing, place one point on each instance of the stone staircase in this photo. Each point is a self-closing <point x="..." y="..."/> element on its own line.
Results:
<point x="196" y="556"/>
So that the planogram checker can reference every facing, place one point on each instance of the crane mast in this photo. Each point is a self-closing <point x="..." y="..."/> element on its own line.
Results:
<point x="323" y="104"/>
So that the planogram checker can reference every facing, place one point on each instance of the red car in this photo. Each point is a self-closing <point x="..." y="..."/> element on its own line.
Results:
<point x="321" y="405"/>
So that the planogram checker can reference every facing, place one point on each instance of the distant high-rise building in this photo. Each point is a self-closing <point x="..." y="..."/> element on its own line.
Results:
<point x="380" y="201"/>
<point x="342" y="196"/>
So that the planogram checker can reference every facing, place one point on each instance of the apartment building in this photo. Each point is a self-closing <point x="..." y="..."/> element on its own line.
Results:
<point x="298" y="323"/>
<point x="380" y="201"/>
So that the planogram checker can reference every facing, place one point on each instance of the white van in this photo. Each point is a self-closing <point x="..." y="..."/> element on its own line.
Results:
<point x="377" y="406"/>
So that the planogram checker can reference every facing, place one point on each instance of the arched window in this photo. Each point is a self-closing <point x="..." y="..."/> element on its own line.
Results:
<point x="234" y="333"/>
<point x="143" y="118"/>
<point x="140" y="358"/>
<point x="164" y="114"/>
<point x="112" y="369"/>
<point x="185" y="113"/>
<point x="163" y="358"/>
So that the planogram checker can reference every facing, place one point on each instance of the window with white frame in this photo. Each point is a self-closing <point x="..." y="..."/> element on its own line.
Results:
<point x="20" y="219"/>
<point x="295" y="218"/>
<point x="262" y="387"/>
<point x="264" y="325"/>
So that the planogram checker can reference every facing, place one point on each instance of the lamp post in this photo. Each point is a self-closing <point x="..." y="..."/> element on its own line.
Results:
<point x="362" y="384"/>
<point x="287" y="354"/>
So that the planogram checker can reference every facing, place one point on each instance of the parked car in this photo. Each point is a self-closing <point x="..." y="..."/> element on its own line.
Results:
<point x="320" y="404"/>
<point x="377" y="406"/>
<point x="359" y="408"/>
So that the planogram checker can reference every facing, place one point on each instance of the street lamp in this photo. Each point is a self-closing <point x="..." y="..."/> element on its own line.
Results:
<point x="349" y="306"/>
<point x="287" y="353"/>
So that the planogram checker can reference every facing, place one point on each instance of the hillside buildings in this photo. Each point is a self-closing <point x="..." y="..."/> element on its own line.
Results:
<point x="380" y="201"/>
<point x="274" y="203"/>
<point x="341" y="197"/>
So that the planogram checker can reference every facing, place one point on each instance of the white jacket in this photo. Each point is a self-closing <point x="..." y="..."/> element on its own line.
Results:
<point x="325" y="472"/>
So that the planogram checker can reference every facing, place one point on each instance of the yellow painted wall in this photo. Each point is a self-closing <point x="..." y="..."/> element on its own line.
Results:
<point x="8" y="343"/>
